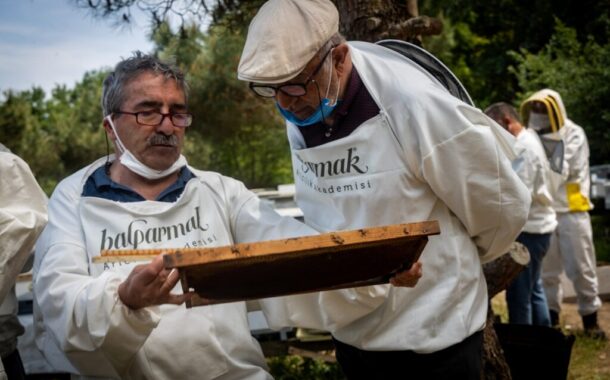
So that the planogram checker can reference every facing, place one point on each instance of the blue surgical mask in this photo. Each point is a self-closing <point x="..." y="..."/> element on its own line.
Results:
<point x="325" y="108"/>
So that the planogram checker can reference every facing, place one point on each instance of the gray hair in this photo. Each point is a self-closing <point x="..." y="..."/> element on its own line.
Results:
<point x="113" y="92"/>
<point x="498" y="111"/>
<point x="334" y="40"/>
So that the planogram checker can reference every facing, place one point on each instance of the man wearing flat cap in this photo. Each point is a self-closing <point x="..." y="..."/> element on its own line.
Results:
<point x="376" y="140"/>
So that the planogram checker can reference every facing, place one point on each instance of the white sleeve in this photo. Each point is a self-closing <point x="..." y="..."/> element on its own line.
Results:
<point x="474" y="178"/>
<point x="257" y="221"/>
<point x="526" y="169"/>
<point x="541" y="173"/>
<point x="576" y="156"/>
<point x="23" y="215"/>
<point x="329" y="310"/>
<point x="97" y="333"/>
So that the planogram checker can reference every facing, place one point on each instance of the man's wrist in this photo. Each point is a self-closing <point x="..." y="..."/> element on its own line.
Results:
<point x="122" y="291"/>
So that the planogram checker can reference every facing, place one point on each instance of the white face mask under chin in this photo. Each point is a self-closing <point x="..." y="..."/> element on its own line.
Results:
<point x="132" y="163"/>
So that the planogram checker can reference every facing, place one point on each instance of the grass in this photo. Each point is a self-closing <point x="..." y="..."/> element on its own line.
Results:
<point x="292" y="367"/>
<point x="589" y="359"/>
<point x="601" y="237"/>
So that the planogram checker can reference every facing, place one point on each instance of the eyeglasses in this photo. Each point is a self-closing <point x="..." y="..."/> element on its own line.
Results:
<point x="154" y="118"/>
<point x="290" y="89"/>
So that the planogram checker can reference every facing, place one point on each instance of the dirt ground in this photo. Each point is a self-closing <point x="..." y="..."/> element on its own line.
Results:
<point x="570" y="319"/>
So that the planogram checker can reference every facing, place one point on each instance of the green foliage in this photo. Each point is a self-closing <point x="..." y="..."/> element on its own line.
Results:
<point x="298" y="368"/>
<point x="588" y="360"/>
<point x="235" y="14"/>
<point x="502" y="50"/>
<point x="57" y="135"/>
<point x="480" y="33"/>
<point x="183" y="47"/>
<point x="601" y="237"/>
<point x="257" y="155"/>
<point x="453" y="47"/>
<point x="579" y="72"/>
<point x="197" y="150"/>
<point x="240" y="135"/>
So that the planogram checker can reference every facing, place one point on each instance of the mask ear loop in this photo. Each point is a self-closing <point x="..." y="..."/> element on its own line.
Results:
<point x="327" y="89"/>
<point x="320" y="101"/>
<point x="120" y="143"/>
<point x="329" y="128"/>
<point x="330" y="77"/>
<point x="107" y="163"/>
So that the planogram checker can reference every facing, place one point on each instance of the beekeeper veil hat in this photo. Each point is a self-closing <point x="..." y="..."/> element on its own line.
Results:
<point x="284" y="36"/>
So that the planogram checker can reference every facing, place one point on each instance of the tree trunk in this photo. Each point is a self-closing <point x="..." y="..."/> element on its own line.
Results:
<point x="503" y="270"/>
<point x="374" y="20"/>
<point x="499" y="274"/>
<point x="494" y="363"/>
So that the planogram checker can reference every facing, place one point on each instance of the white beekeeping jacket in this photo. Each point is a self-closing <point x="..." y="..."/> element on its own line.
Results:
<point x="426" y="156"/>
<point x="535" y="172"/>
<point x="82" y="326"/>
<point x="23" y="215"/>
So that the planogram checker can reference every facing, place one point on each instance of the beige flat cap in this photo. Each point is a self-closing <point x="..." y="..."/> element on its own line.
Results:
<point x="284" y="36"/>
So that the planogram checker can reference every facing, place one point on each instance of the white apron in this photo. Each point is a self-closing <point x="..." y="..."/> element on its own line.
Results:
<point x="188" y="343"/>
<point x="332" y="178"/>
<point x="362" y="180"/>
<point x="151" y="224"/>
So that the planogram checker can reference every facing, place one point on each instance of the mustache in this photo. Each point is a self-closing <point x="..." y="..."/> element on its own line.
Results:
<point x="161" y="139"/>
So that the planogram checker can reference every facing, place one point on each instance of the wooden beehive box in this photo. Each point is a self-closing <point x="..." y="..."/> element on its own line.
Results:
<point x="280" y="267"/>
<point x="335" y="260"/>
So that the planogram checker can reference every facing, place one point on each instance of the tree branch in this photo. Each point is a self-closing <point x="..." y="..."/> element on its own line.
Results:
<point x="416" y="26"/>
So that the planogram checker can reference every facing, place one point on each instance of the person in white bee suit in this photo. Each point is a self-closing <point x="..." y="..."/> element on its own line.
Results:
<point x="376" y="140"/>
<point x="23" y="215"/>
<point x="525" y="296"/>
<point x="572" y="246"/>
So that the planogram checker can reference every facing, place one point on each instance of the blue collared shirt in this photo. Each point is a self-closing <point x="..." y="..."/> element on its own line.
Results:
<point x="100" y="185"/>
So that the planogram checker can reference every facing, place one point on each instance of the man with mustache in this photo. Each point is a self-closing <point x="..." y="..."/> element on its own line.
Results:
<point x="121" y="320"/>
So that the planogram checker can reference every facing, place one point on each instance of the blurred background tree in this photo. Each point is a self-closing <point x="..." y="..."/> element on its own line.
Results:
<point x="56" y="134"/>
<point x="580" y="72"/>
<point x="499" y="49"/>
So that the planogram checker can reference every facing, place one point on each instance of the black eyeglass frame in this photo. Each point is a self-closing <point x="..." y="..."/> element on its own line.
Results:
<point x="302" y="86"/>
<point x="171" y="115"/>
